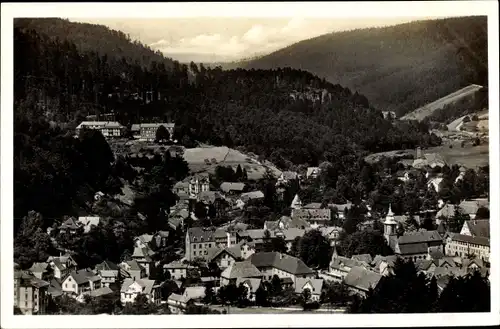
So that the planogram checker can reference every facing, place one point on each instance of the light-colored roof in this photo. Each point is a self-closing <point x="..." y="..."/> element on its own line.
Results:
<point x="177" y="264"/>
<point x="39" y="267"/>
<point x="227" y="187"/>
<point x="145" y="238"/>
<point x="289" y="175"/>
<point x="447" y="211"/>
<point x="312" y="170"/>
<point x="363" y="258"/>
<point x="313" y="205"/>
<point x="316" y="284"/>
<point x="147" y="285"/>
<point x="470" y="207"/>
<point x="156" y="125"/>
<point x="143" y="253"/>
<point x="362" y="279"/>
<point x="243" y="269"/>
<point x="280" y="261"/>
<point x="102" y="124"/>
<point x="245" y="197"/>
<point x="343" y="263"/>
<point x="194" y="292"/>
<point x="311" y="214"/>
<point x="88" y="222"/>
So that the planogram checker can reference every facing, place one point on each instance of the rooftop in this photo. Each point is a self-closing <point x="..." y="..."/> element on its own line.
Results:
<point x="241" y="270"/>
<point x="280" y="261"/>
<point x="362" y="279"/>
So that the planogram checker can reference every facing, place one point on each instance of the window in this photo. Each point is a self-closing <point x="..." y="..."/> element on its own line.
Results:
<point x="65" y="285"/>
<point x="73" y="286"/>
<point x="194" y="246"/>
<point x="200" y="246"/>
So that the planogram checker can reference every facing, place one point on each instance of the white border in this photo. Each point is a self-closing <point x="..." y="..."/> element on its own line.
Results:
<point x="321" y="9"/>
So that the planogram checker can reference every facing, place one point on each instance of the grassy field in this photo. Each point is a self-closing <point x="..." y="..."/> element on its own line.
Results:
<point x="225" y="156"/>
<point x="424" y="111"/>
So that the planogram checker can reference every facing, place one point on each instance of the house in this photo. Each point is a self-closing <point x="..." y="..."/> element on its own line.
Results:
<point x="195" y="293"/>
<point x="434" y="183"/>
<point x="340" y="209"/>
<point x="39" y="270"/>
<point x="231" y="254"/>
<point x="447" y="211"/>
<point x="341" y="266"/>
<point x="178" y="270"/>
<point x="313" y="172"/>
<point x="416" y="245"/>
<point x="143" y="241"/>
<point x="160" y="238"/>
<point x="289" y="235"/>
<point x="476" y="227"/>
<point x="103" y="291"/>
<point x="134" y="269"/>
<point x="107" y="128"/>
<point x="249" y="197"/>
<point x="384" y="265"/>
<point x="181" y="187"/>
<point x="70" y="225"/>
<point x="30" y="293"/>
<point x="315" y="217"/>
<point x="315" y="286"/>
<point x="360" y="280"/>
<point x="331" y="233"/>
<point x="144" y="256"/>
<point x="198" y="241"/>
<point x="62" y="265"/>
<point x="237" y="270"/>
<point x="285" y="223"/>
<point x="197" y="184"/>
<point x="80" y="281"/>
<point x="110" y="273"/>
<point x="286" y="177"/>
<point x="147" y="131"/>
<point x="470" y="207"/>
<point x="275" y="263"/>
<point x="131" y="288"/>
<point x="431" y="160"/>
<point x="88" y="222"/>
<point x="177" y="304"/>
<point x="363" y="258"/>
<point x="232" y="188"/>
<point x="465" y="245"/>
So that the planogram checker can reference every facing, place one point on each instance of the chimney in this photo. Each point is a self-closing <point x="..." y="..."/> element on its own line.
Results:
<point x="228" y="239"/>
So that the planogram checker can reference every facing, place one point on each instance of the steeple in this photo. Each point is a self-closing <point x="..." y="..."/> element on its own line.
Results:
<point x="296" y="203"/>
<point x="389" y="224"/>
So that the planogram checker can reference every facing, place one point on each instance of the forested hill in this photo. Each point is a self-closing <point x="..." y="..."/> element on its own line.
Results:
<point x="94" y="37"/>
<point x="399" y="68"/>
<point x="286" y="116"/>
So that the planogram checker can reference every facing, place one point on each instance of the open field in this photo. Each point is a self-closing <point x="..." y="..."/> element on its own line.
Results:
<point x="225" y="156"/>
<point x="426" y="110"/>
<point x="468" y="156"/>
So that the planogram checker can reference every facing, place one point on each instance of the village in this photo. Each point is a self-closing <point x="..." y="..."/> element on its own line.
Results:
<point x="257" y="267"/>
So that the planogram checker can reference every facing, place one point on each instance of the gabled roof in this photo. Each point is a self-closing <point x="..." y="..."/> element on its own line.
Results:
<point x="27" y="279"/>
<point x="145" y="238"/>
<point x="419" y="237"/>
<point x="283" y="262"/>
<point x="209" y="196"/>
<point x="101" y="292"/>
<point x="199" y="234"/>
<point x="471" y="239"/>
<point x="194" y="292"/>
<point x="252" y="283"/>
<point x="89" y="221"/>
<point x="83" y="276"/>
<point x="312" y="170"/>
<point x="479" y="227"/>
<point x="470" y="207"/>
<point x="311" y="214"/>
<point x="340" y="262"/>
<point x="147" y="285"/>
<point x="313" y="205"/>
<point x="241" y="270"/>
<point x="107" y="266"/>
<point x="133" y="265"/>
<point x="316" y="284"/>
<point x="363" y="258"/>
<point x="39" y="267"/>
<point x="177" y="264"/>
<point x="362" y="279"/>
<point x="245" y="197"/>
<point x="71" y="224"/>
<point x="228" y="187"/>
<point x="289" y="175"/>
<point x="144" y="252"/>
<point x="341" y="207"/>
<point x="447" y="211"/>
<point x="378" y="259"/>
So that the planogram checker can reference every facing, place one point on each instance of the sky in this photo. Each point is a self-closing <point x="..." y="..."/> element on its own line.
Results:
<point x="225" y="39"/>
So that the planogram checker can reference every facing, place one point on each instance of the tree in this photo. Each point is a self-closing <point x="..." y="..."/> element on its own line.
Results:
<point x="162" y="134"/>
<point x="261" y="296"/>
<point x="458" y="294"/>
<point x="242" y="295"/>
<point x="209" y="294"/>
<point x="483" y="213"/>
<point x="306" y="296"/>
<point x="364" y="242"/>
<point x="140" y="306"/>
<point x="313" y="248"/>
<point x="276" y="285"/>
<point x="200" y="210"/>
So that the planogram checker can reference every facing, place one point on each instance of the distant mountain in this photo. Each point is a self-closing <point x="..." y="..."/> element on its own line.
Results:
<point x="398" y="68"/>
<point x="95" y="38"/>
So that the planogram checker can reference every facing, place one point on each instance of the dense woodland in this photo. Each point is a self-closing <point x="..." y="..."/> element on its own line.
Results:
<point x="397" y="68"/>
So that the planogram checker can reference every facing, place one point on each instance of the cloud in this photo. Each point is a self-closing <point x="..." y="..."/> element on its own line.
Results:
<point x="258" y="39"/>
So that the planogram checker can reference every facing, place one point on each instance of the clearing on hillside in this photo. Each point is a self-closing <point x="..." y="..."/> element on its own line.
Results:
<point x="426" y="110"/>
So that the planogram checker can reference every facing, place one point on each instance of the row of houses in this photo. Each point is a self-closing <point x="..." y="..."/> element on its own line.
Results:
<point x="113" y="129"/>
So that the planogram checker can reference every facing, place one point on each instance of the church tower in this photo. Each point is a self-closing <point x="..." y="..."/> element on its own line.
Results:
<point x="390" y="225"/>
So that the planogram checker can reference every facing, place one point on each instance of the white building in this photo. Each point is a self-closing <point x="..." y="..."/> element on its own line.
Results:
<point x="131" y="289"/>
